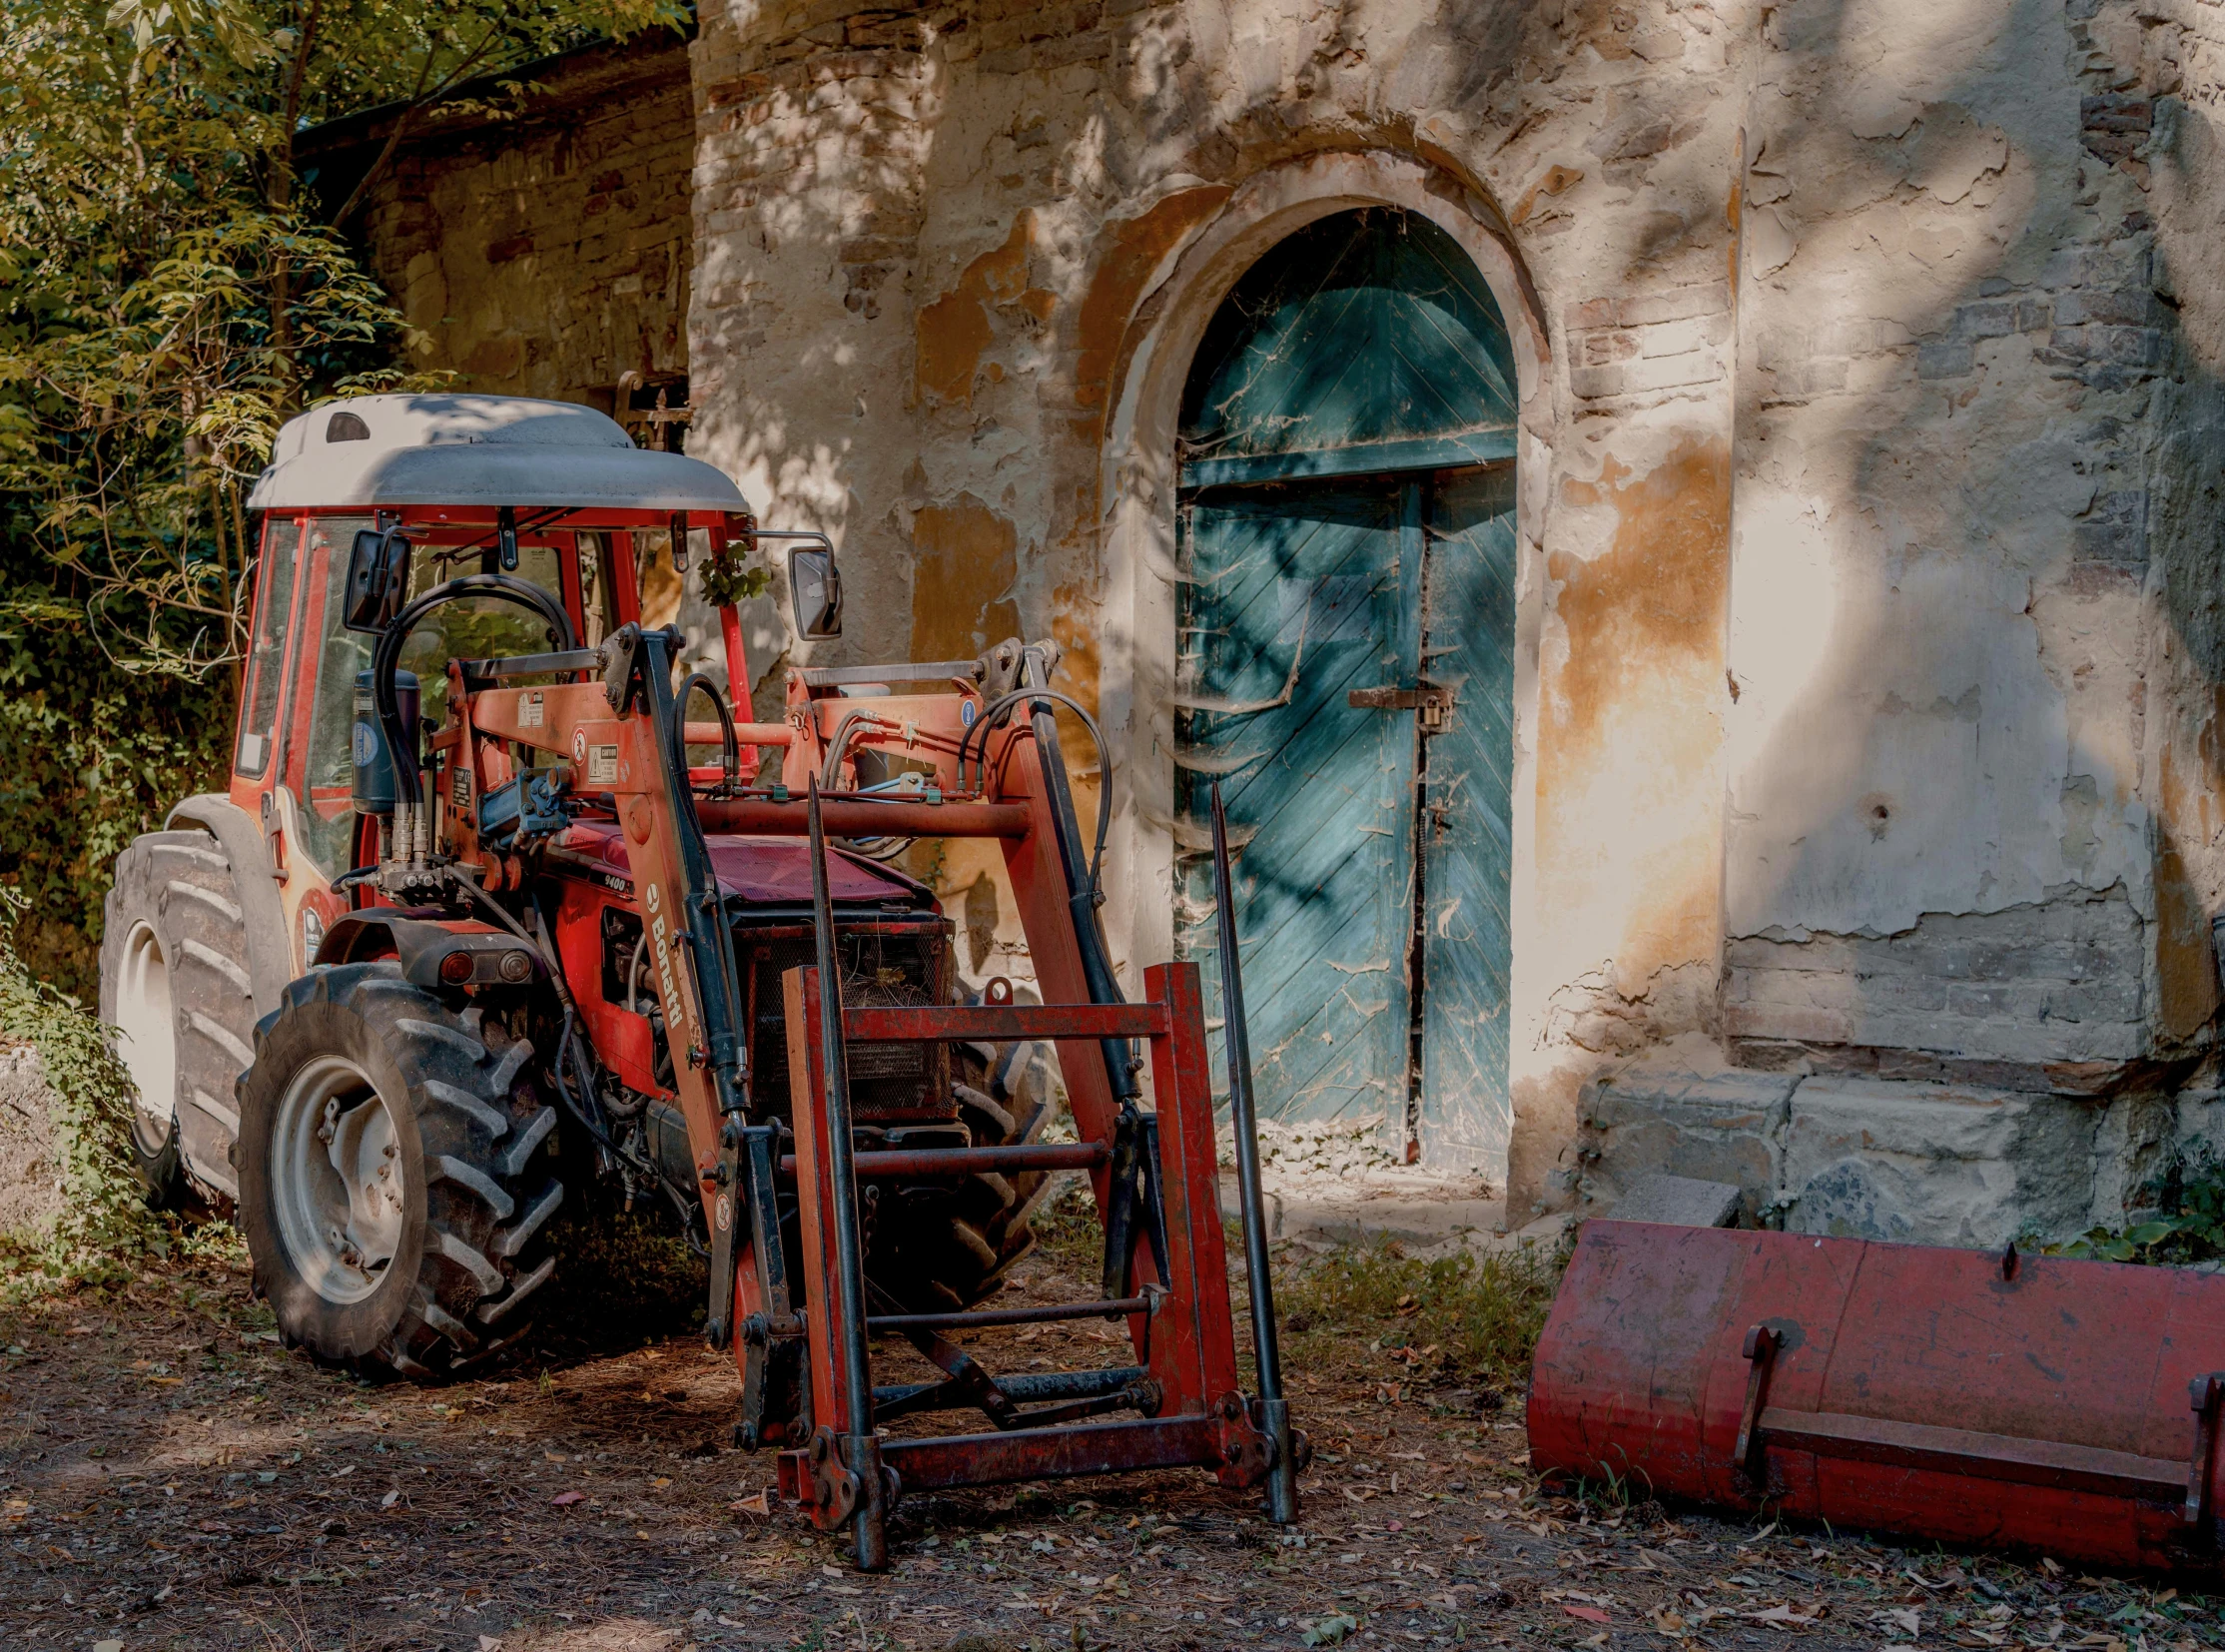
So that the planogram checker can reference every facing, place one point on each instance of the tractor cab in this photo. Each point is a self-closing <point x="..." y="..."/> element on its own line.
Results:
<point x="547" y="493"/>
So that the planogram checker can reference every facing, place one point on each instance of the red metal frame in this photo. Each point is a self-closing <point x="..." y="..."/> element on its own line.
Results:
<point x="1187" y="1340"/>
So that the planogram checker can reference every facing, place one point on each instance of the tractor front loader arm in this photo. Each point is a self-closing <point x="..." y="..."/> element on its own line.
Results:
<point x="979" y="751"/>
<point x="620" y="737"/>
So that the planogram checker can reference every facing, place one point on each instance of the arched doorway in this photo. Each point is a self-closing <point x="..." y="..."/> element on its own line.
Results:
<point x="1345" y="666"/>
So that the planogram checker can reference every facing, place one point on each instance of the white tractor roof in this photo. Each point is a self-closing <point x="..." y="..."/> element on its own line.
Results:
<point x="392" y="451"/>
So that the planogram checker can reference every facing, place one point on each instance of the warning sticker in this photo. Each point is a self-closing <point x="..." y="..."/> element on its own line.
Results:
<point x="602" y="765"/>
<point x="532" y="713"/>
<point x="460" y="786"/>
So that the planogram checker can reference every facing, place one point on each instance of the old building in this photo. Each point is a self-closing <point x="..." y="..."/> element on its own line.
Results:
<point x="1786" y="434"/>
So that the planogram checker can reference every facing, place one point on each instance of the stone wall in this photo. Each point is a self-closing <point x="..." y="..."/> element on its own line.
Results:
<point x="546" y="254"/>
<point x="1869" y="694"/>
<point x="1872" y="657"/>
<point x="30" y="1160"/>
<point x="1849" y="493"/>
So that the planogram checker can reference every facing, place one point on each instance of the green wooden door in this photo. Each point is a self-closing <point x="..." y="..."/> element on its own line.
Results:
<point x="1348" y="525"/>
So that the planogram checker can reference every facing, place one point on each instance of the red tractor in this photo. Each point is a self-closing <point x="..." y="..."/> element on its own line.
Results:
<point x="485" y="922"/>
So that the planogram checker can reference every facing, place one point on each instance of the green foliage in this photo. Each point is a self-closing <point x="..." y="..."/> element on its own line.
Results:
<point x="2189" y="1198"/>
<point x="105" y="1230"/>
<point x="167" y="295"/>
<point x="628" y="1278"/>
<point x="171" y="288"/>
<point x="87" y="762"/>
<point x="1467" y="1317"/>
<point x="730" y="580"/>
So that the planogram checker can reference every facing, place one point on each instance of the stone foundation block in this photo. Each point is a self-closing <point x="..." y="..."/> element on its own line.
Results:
<point x="30" y="1168"/>
<point x="1680" y="1110"/>
<point x="1935" y="1164"/>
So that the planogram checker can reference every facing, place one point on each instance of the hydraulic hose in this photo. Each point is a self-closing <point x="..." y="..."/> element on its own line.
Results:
<point x="996" y="709"/>
<point x="386" y="659"/>
<point x="729" y="740"/>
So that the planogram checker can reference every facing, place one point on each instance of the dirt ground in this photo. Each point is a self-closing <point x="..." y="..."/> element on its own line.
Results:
<point x="170" y="1478"/>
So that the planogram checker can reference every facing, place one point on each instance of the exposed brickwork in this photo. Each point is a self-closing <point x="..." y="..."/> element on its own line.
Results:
<point x="550" y="256"/>
<point x="2056" y="983"/>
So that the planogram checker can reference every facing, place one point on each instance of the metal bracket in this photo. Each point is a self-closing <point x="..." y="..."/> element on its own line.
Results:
<point x="834" y="1488"/>
<point x="969" y="1381"/>
<point x="1434" y="703"/>
<point x="1760" y="1354"/>
<point x="2204" y="1395"/>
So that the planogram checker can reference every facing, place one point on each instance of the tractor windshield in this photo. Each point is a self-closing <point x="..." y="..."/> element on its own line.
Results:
<point x="468" y="629"/>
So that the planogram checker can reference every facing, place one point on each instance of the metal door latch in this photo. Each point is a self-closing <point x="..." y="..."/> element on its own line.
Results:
<point x="1432" y="702"/>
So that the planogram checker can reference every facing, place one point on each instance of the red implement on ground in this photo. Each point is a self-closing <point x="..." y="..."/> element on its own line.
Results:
<point x="1966" y="1397"/>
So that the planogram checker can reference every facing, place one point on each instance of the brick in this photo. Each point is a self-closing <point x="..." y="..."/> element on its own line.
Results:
<point x="1946" y="358"/>
<point x="1994" y="319"/>
<point x="1711" y="297"/>
<point x="1699" y="366"/>
<point x="1677" y="337"/>
<point x="1935" y="1163"/>
<point x="1680" y="1110"/>
<point x="1593" y="383"/>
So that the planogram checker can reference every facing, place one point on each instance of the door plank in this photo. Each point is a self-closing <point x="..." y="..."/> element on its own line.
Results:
<point x="1328" y="799"/>
<point x="1467" y="842"/>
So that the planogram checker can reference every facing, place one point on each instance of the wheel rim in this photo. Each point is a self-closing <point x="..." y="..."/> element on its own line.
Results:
<point x="337" y="1180"/>
<point x="149" y="1042"/>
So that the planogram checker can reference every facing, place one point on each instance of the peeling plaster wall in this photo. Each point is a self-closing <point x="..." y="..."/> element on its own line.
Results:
<point x="949" y="262"/>
<point x="1870" y="661"/>
<point x="1967" y="777"/>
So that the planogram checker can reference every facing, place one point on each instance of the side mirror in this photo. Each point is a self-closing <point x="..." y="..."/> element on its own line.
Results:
<point x="378" y="579"/>
<point x="815" y="588"/>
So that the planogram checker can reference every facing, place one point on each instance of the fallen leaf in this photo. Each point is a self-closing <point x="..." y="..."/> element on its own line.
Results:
<point x="1329" y="1631"/>
<point x="487" y="1643"/>
<point x="391" y="1498"/>
<point x="1780" y="1617"/>
<point x="762" y="1503"/>
<point x="566" y="1499"/>
<point x="1590" y="1614"/>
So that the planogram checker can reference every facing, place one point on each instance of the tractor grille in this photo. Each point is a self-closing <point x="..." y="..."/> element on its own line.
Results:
<point x="888" y="1082"/>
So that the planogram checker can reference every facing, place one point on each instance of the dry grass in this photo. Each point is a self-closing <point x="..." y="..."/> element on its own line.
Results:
<point x="1463" y="1317"/>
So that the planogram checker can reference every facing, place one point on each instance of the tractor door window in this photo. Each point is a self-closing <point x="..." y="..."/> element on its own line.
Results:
<point x="324" y="808"/>
<point x="266" y="657"/>
<point x="471" y="629"/>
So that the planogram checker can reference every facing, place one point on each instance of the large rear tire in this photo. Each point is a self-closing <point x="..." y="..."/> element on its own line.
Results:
<point x="943" y="1250"/>
<point x="175" y="986"/>
<point x="394" y="1176"/>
